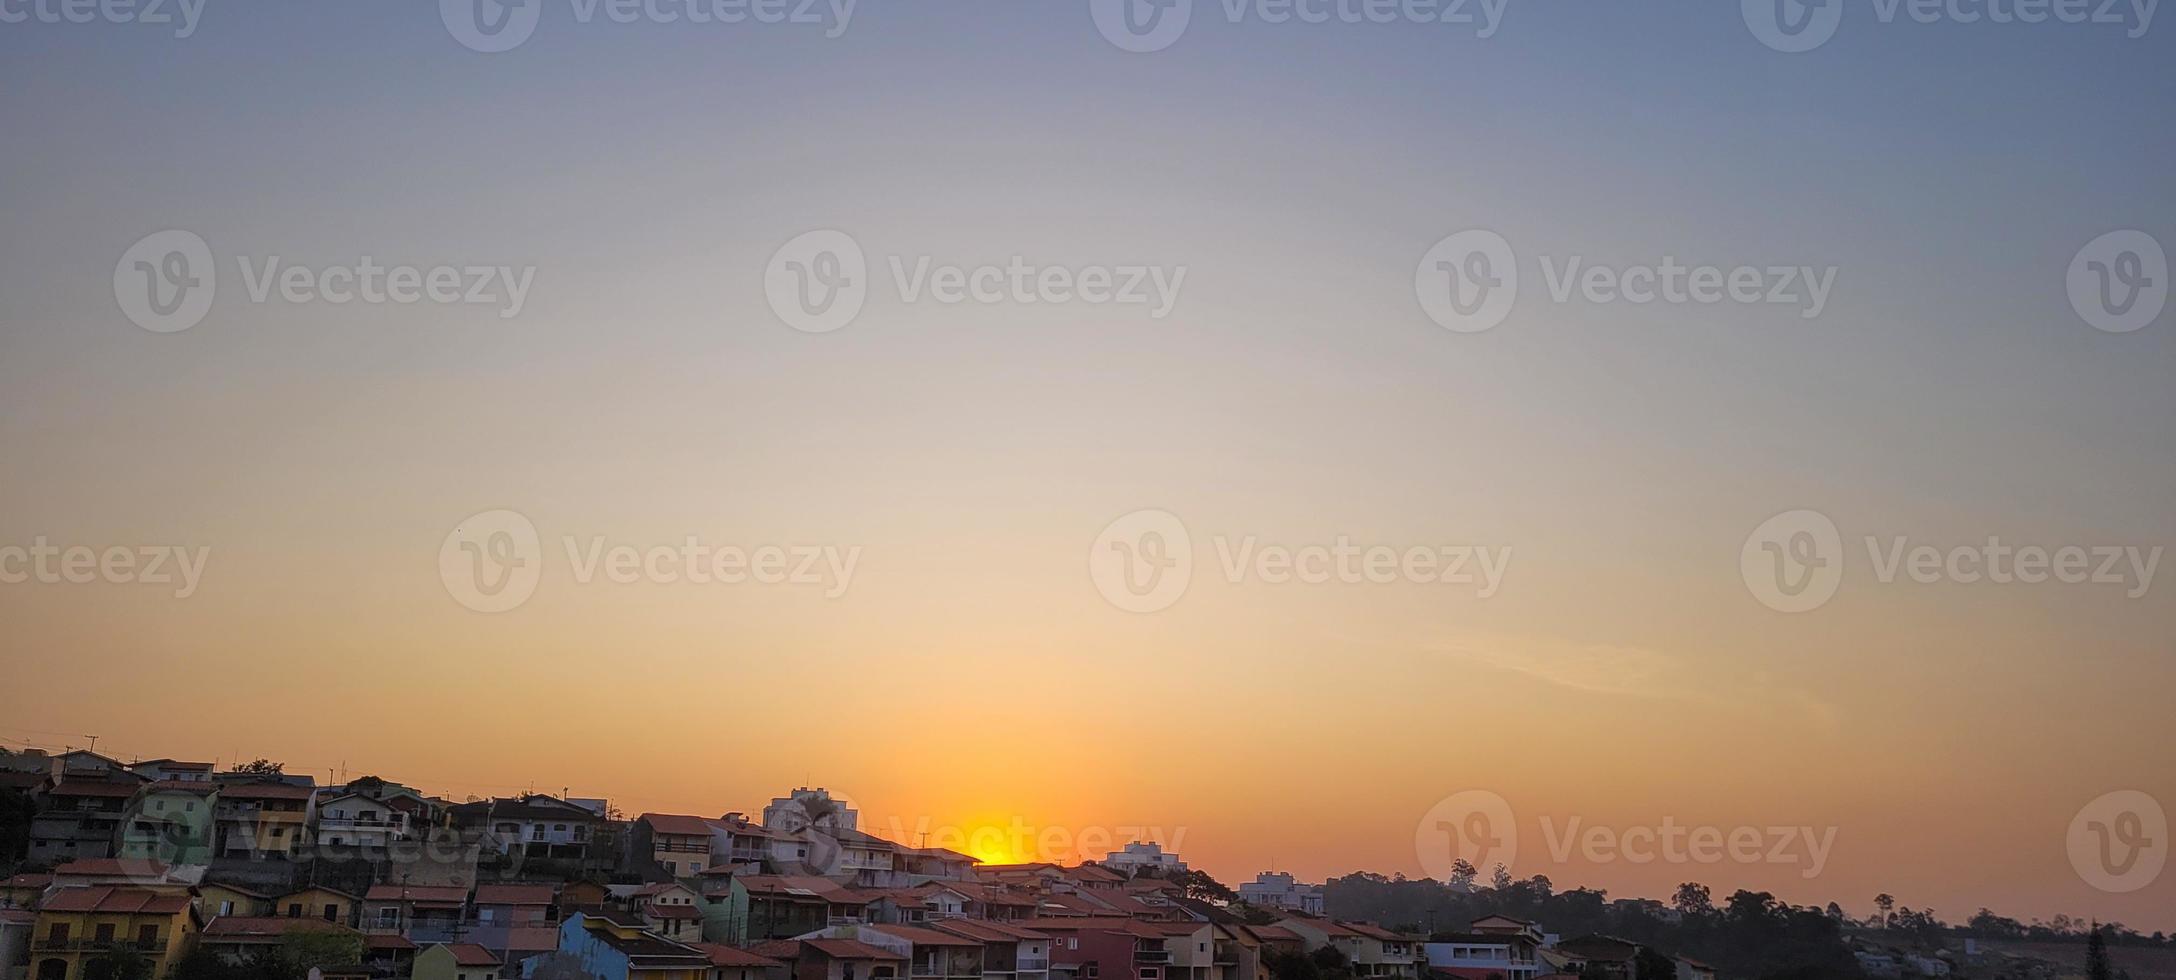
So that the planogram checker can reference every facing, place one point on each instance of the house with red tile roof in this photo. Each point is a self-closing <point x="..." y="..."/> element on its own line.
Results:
<point x="237" y="937"/>
<point x="1010" y="952"/>
<point x="79" y="816"/>
<point x="671" y="910"/>
<point x="678" y="844"/>
<point x="1372" y="950"/>
<point x="729" y="963"/>
<point x="931" y="954"/>
<point x="74" y="924"/>
<point x="262" y="819"/>
<point x="1104" y="948"/>
<point x="423" y="913"/>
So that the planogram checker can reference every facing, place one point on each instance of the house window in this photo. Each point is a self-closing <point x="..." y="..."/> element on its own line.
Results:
<point x="331" y="912"/>
<point x="226" y="908"/>
<point x="389" y="916"/>
<point x="58" y="934"/>
<point x="105" y="932"/>
<point x="294" y="910"/>
<point x="147" y="937"/>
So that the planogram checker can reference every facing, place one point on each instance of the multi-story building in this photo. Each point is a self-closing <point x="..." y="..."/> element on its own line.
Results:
<point x="677" y="843"/>
<point x="261" y="819"/>
<point x="1372" y="950"/>
<point x="931" y="954"/>
<point x="173" y="771"/>
<point x="1010" y="952"/>
<point x="810" y="809"/>
<point x="1138" y="856"/>
<point x="170" y="821"/>
<point x="1490" y="948"/>
<point x="671" y="910"/>
<point x="1091" y="948"/>
<point x="420" y="913"/>
<point x="79" y="816"/>
<point x="1279" y="890"/>
<point x="533" y="826"/>
<point x="75" y="924"/>
<point x="1193" y="949"/>
<point x="353" y="823"/>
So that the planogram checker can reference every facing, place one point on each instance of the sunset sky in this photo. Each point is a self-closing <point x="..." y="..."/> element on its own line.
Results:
<point x="972" y="675"/>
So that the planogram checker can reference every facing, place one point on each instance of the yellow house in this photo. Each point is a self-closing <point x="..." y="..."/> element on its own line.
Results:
<point x="213" y="898"/>
<point x="75" y="924"/>
<point x="316" y="902"/>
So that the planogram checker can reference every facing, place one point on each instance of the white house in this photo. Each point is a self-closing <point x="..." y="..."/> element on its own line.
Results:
<point x="1278" y="890"/>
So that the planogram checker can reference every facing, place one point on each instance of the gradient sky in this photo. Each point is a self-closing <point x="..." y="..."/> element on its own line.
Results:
<point x="973" y="675"/>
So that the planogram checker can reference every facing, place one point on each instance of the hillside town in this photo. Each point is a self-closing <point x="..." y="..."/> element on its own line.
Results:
<point x="161" y="868"/>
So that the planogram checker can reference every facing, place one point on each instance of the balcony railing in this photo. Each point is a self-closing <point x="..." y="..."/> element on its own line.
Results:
<point x="1152" y="956"/>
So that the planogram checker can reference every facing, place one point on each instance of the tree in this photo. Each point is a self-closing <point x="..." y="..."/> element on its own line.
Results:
<point x="1462" y="874"/>
<point x="2096" y="957"/>
<point x="302" y="949"/>
<point x="1693" y="899"/>
<point x="1886" y="903"/>
<point x="262" y="767"/>
<point x="1500" y="878"/>
<point x="1199" y="885"/>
